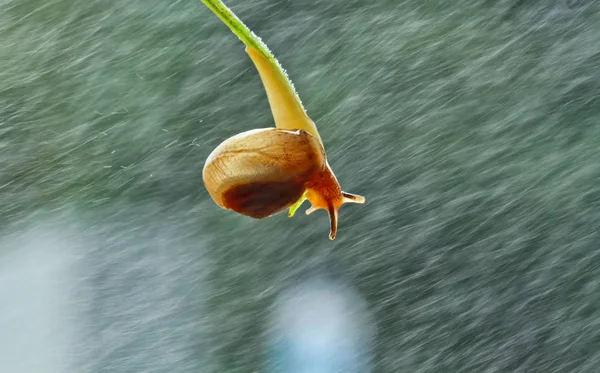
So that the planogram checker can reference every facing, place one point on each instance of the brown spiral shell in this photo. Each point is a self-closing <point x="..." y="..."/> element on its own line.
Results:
<point x="261" y="172"/>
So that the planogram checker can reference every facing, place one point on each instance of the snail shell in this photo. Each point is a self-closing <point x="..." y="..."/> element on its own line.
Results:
<point x="261" y="172"/>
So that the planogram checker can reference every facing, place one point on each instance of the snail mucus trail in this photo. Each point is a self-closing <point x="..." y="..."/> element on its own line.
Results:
<point x="261" y="172"/>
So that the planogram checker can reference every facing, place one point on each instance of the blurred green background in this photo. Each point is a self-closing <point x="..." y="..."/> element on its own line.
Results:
<point x="471" y="127"/>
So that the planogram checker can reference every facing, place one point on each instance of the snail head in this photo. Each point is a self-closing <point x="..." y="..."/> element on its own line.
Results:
<point x="323" y="191"/>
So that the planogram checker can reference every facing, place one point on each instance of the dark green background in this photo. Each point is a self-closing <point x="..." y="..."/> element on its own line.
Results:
<point x="471" y="127"/>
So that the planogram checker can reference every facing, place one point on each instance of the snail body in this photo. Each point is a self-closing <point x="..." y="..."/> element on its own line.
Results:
<point x="261" y="172"/>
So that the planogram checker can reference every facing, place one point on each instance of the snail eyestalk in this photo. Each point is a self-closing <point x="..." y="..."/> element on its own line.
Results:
<point x="333" y="219"/>
<point x="353" y="198"/>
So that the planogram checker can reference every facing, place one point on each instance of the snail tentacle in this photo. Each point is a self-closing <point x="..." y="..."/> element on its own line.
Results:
<point x="311" y="210"/>
<point x="333" y="218"/>
<point x="353" y="198"/>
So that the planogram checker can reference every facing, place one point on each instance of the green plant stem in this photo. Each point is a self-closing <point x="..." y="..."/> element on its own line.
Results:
<point x="249" y="38"/>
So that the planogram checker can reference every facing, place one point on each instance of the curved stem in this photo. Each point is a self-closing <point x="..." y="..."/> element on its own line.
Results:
<point x="249" y="38"/>
<point x="286" y="106"/>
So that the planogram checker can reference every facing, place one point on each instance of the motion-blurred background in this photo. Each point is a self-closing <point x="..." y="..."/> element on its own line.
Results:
<point x="471" y="127"/>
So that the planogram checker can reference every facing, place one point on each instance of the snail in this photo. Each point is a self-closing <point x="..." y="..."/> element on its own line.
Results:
<point x="262" y="172"/>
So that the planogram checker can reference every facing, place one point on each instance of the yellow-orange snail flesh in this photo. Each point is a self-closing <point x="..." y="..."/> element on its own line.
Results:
<point x="261" y="172"/>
